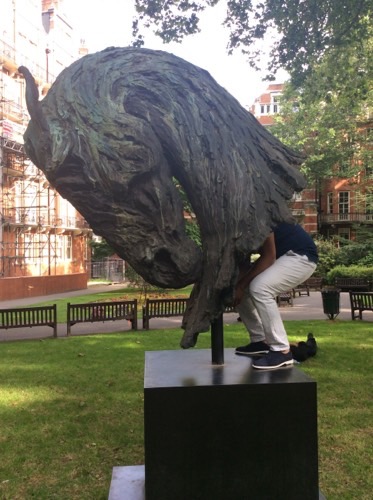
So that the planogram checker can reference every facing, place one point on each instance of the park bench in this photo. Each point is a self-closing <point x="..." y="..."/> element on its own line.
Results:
<point x="360" y="301"/>
<point x="162" y="308"/>
<point x="105" y="311"/>
<point x="353" y="284"/>
<point x="285" y="298"/>
<point x="314" y="283"/>
<point x="166" y="308"/>
<point x="29" y="317"/>
<point x="301" y="289"/>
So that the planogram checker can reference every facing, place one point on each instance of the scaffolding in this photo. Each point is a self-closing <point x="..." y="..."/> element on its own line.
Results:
<point x="27" y="212"/>
<point x="40" y="233"/>
<point x="36" y="232"/>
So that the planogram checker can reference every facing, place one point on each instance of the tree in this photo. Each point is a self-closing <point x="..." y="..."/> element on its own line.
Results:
<point x="359" y="251"/>
<point x="101" y="250"/>
<point x="305" y="30"/>
<point x="328" y="255"/>
<point x="327" y="116"/>
<point x="327" y="49"/>
<point x="191" y="224"/>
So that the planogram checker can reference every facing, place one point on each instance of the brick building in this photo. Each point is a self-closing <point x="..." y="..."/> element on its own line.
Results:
<point x="41" y="234"/>
<point x="335" y="206"/>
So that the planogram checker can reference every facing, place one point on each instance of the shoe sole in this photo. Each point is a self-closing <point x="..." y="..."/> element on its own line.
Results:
<point x="284" y="363"/>
<point x="256" y="353"/>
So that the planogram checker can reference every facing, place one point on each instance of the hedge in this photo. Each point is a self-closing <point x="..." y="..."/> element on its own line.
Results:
<point x="349" y="272"/>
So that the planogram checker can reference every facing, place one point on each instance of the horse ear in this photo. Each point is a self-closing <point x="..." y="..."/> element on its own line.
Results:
<point x="32" y="100"/>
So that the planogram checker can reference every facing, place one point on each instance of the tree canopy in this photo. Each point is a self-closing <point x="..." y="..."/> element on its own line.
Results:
<point x="329" y="117"/>
<point x="326" y="47"/>
<point x="305" y="29"/>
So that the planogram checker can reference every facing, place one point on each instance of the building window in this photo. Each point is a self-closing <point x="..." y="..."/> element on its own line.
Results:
<point x="296" y="197"/>
<point x="329" y="203"/>
<point x="268" y="108"/>
<point x="343" y="234"/>
<point x="28" y="241"/>
<point x="68" y="247"/>
<point x="262" y="109"/>
<point x="369" y="206"/>
<point x="344" y="205"/>
<point x="85" y="248"/>
<point x="64" y="247"/>
<point x="58" y="245"/>
<point x="275" y="108"/>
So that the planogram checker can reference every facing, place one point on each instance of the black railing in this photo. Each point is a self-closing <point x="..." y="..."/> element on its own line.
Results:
<point x="347" y="217"/>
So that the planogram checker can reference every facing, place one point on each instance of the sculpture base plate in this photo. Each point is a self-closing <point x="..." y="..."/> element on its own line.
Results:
<point x="128" y="483"/>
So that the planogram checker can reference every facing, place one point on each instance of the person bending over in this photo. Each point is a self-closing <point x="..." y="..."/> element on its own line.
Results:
<point x="287" y="258"/>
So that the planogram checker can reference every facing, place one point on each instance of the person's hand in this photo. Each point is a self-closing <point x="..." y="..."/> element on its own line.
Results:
<point x="238" y="295"/>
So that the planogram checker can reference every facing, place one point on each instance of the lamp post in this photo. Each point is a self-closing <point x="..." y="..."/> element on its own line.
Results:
<point x="47" y="52"/>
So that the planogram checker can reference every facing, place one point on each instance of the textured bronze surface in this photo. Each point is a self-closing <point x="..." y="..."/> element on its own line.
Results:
<point x="115" y="130"/>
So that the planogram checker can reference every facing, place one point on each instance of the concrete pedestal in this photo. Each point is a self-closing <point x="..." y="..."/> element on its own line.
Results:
<point x="227" y="432"/>
<point x="128" y="483"/>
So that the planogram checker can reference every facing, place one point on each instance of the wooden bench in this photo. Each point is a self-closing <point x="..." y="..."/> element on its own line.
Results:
<point x="360" y="301"/>
<point x="302" y="289"/>
<point x="353" y="284"/>
<point x="106" y="311"/>
<point x="166" y="308"/>
<point x="314" y="283"/>
<point x="29" y="317"/>
<point x="285" y="298"/>
<point x="162" y="308"/>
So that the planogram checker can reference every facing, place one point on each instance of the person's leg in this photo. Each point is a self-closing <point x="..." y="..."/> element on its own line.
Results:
<point x="286" y="272"/>
<point x="250" y="318"/>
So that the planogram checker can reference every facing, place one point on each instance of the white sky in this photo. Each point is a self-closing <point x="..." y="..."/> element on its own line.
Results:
<point x="105" y="23"/>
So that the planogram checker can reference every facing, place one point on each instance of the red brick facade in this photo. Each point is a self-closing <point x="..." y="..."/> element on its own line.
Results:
<point x="36" y="286"/>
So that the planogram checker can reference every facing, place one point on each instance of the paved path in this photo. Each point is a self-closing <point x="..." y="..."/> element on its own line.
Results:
<point x="304" y="308"/>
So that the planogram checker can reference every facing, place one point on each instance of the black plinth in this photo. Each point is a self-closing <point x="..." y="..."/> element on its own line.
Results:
<point x="229" y="431"/>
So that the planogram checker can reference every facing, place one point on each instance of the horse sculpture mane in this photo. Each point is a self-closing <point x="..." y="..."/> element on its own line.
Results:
<point x="114" y="132"/>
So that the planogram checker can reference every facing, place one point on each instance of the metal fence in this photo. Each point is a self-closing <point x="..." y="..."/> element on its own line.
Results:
<point x="111" y="270"/>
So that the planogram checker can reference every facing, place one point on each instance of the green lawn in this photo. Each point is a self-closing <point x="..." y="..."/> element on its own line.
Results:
<point x="72" y="408"/>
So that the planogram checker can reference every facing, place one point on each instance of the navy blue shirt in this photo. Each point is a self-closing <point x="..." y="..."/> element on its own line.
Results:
<point x="294" y="237"/>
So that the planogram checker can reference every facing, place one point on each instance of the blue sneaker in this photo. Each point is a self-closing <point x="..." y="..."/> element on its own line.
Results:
<point x="273" y="360"/>
<point x="253" y="349"/>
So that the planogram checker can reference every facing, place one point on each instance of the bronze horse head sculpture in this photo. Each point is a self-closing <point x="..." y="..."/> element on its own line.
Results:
<point x="114" y="132"/>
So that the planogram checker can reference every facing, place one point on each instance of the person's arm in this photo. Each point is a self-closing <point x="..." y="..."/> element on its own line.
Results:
<point x="266" y="259"/>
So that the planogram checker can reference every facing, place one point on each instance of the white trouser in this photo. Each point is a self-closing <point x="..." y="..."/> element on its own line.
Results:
<point x="259" y="310"/>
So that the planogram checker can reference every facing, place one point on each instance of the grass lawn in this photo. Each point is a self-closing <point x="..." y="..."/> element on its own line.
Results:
<point x="72" y="408"/>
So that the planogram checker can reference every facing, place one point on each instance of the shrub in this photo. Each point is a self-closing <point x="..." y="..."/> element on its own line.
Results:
<point x="328" y="256"/>
<point x="350" y="272"/>
<point x="353" y="253"/>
